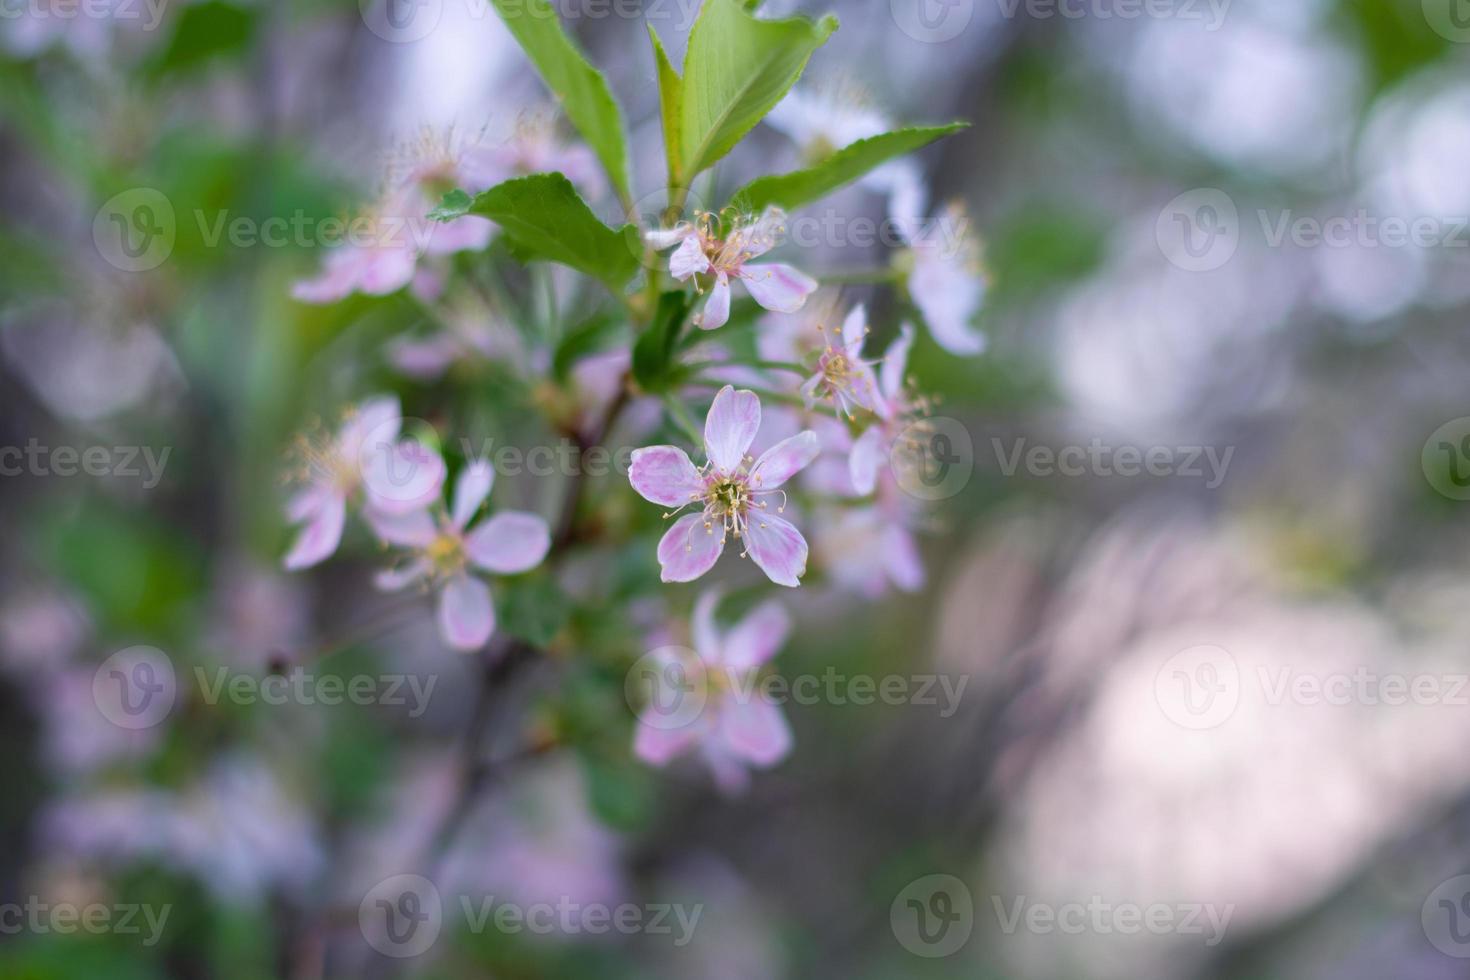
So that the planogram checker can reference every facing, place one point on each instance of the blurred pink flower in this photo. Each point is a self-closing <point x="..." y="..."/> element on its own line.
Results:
<point x="534" y="148"/>
<point x="736" y="726"/>
<point x="509" y="542"/>
<point x="947" y="282"/>
<point x="384" y="245"/>
<point x="365" y="454"/>
<point x="824" y="120"/>
<point x="727" y="493"/>
<point x="842" y="376"/>
<point x="773" y="285"/>
<point x="868" y="548"/>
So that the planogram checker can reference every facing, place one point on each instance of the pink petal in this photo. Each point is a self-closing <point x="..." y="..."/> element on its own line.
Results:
<point x="901" y="558"/>
<point x="661" y="238"/>
<point x="777" y="547"/>
<point x="425" y="359"/>
<point x="406" y="476"/>
<point x="755" y="730"/>
<point x="730" y="427"/>
<point x="375" y="420"/>
<point x="508" y="543"/>
<point x="468" y="233"/>
<point x="665" y="475"/>
<point x="414" y="529"/>
<point x="949" y="294"/>
<point x="854" y="331"/>
<point x="717" y="308"/>
<point x="763" y="235"/>
<point x="321" y="535"/>
<point x="688" y="550"/>
<point x="470" y="490"/>
<point x="702" y="623"/>
<point x="895" y="363"/>
<point x="867" y="455"/>
<point x="393" y="579"/>
<point x="783" y="460"/>
<point x="656" y="746"/>
<point x="757" y="637"/>
<point x="466" y="614"/>
<point x="778" y="287"/>
<point x="386" y="269"/>
<point x="688" y="259"/>
<point x="729" y="771"/>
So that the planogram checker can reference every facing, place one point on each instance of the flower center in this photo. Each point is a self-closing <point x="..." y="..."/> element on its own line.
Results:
<point x="446" y="554"/>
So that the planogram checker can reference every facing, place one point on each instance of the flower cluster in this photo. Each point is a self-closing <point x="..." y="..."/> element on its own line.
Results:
<point x="805" y="403"/>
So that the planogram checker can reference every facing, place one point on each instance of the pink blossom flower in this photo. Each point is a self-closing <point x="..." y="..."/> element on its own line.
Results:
<point x="824" y="120"/>
<point x="947" y="282"/>
<point x="735" y="727"/>
<point x="445" y="548"/>
<point x="897" y="411"/>
<point x="534" y="149"/>
<point x="365" y="455"/>
<point x="701" y="251"/>
<point x="842" y="376"/>
<point x="728" y="492"/>
<point x="383" y="245"/>
<point x="868" y="548"/>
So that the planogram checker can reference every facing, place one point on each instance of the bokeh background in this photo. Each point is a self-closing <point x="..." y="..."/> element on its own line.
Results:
<point x="1131" y="175"/>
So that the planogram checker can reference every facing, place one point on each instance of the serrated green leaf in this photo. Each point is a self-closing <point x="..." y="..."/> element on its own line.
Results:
<point x="736" y="69"/>
<point x="791" y="190"/>
<point x="670" y="100"/>
<point x="581" y="89"/>
<point x="543" y="216"/>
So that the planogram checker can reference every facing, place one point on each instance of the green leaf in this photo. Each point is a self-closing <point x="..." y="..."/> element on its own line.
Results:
<point x="655" y="346"/>
<point x="736" y="69"/>
<point x="581" y="89"/>
<point x="455" y="204"/>
<point x="543" y="216"/>
<point x="204" y="31"/>
<point x="800" y="187"/>
<point x="670" y="101"/>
